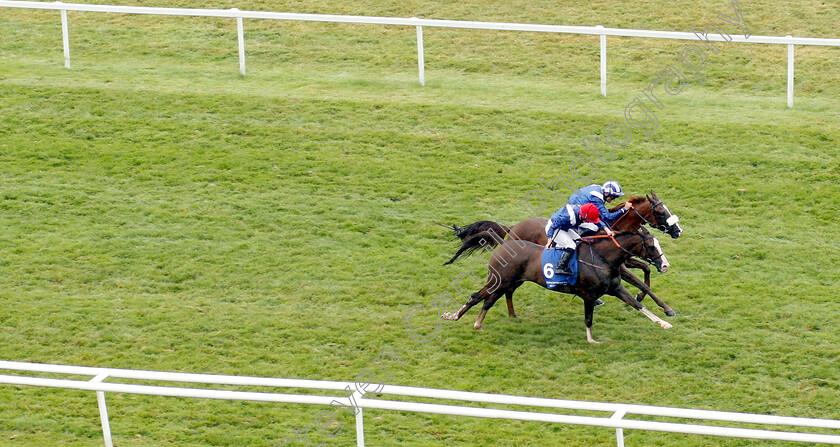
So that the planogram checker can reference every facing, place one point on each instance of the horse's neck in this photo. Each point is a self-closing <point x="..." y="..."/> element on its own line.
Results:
<point x="630" y="220"/>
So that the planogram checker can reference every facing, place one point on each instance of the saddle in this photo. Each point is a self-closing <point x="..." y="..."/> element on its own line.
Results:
<point x="552" y="279"/>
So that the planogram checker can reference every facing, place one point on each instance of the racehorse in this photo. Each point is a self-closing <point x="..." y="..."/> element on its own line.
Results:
<point x="646" y="210"/>
<point x="598" y="274"/>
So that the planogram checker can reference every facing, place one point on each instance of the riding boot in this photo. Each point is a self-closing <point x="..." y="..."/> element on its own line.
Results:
<point x="562" y="267"/>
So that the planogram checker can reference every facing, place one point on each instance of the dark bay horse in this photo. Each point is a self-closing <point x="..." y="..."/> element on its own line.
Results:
<point x="598" y="274"/>
<point x="646" y="210"/>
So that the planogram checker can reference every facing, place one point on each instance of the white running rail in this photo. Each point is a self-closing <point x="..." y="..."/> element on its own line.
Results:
<point x="615" y="417"/>
<point x="419" y="24"/>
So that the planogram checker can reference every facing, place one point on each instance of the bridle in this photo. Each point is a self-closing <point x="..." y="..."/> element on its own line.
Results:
<point x="662" y="227"/>
<point x="645" y="237"/>
<point x="644" y="257"/>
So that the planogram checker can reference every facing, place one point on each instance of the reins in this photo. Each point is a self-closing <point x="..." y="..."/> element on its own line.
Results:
<point x="592" y="253"/>
<point x="622" y="216"/>
<point x="600" y="236"/>
<point x="643" y="257"/>
<point x="633" y="208"/>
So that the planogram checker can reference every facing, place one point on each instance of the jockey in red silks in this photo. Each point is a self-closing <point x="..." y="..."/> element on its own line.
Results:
<point x="562" y="228"/>
<point x="598" y="195"/>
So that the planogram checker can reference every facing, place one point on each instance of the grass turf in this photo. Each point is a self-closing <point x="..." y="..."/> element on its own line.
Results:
<point x="162" y="212"/>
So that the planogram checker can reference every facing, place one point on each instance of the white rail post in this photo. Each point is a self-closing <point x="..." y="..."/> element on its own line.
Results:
<point x="103" y="411"/>
<point x="619" y="432"/>
<point x="240" y="37"/>
<point x="65" y="37"/>
<point x="360" y="428"/>
<point x="421" y="57"/>
<point x="790" y="73"/>
<point x="603" y="63"/>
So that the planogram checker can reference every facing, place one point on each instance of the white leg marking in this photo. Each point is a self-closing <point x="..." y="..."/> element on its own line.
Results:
<point x="589" y="336"/>
<point x="664" y="324"/>
<point x="480" y="319"/>
<point x="451" y="316"/>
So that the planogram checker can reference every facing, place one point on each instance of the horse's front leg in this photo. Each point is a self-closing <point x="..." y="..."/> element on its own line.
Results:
<point x="620" y="292"/>
<point x="626" y="275"/>
<point x="634" y="263"/>
<point x="588" y="308"/>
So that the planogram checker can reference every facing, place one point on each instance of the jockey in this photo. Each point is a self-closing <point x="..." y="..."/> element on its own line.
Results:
<point x="598" y="195"/>
<point x="561" y="231"/>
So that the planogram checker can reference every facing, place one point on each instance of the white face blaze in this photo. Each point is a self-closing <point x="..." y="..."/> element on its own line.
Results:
<point x="673" y="219"/>
<point x="665" y="264"/>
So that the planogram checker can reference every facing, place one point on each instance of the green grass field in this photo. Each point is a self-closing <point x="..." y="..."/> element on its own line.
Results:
<point x="161" y="212"/>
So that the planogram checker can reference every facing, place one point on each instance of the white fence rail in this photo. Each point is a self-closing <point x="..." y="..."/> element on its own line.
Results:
<point x="419" y="24"/>
<point x="615" y="418"/>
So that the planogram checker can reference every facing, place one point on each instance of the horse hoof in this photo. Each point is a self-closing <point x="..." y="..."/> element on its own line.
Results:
<point x="449" y="316"/>
<point x="670" y="313"/>
<point x="514" y="316"/>
<point x="666" y="325"/>
<point x="640" y="296"/>
<point x="477" y="326"/>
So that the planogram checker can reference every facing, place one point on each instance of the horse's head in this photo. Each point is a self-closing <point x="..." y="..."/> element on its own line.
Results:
<point x="652" y="252"/>
<point x="663" y="220"/>
<point x="642" y="244"/>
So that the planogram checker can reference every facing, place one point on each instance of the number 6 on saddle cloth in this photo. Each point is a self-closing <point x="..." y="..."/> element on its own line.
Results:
<point x="550" y="257"/>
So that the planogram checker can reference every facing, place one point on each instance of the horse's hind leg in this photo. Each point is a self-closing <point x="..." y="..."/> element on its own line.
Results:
<point x="476" y="298"/>
<point x="509" y="297"/>
<point x="488" y="303"/>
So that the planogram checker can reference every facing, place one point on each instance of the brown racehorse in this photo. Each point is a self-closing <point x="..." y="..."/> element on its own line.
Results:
<point x="646" y="210"/>
<point x="598" y="274"/>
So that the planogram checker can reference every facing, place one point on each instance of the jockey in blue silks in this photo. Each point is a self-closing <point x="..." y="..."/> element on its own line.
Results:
<point x="562" y="227"/>
<point x="598" y="195"/>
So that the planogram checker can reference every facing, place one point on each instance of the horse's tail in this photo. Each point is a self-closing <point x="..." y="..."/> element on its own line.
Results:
<point x="474" y="228"/>
<point x="484" y="233"/>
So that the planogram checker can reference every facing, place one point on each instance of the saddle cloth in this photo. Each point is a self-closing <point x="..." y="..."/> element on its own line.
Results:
<point x="549" y="263"/>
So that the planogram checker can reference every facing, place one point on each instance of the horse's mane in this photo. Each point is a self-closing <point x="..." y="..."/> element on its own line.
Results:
<point x="634" y="200"/>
